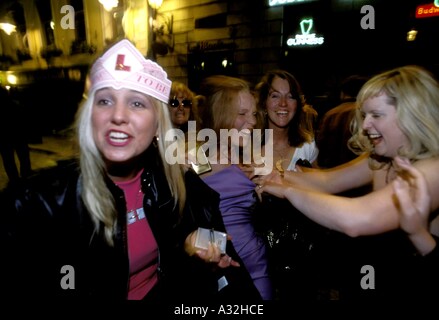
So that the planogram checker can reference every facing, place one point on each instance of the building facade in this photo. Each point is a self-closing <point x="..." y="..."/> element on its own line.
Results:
<point x="319" y="41"/>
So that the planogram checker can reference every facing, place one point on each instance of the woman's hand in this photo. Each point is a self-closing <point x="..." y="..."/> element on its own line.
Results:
<point x="411" y="191"/>
<point x="248" y="170"/>
<point x="272" y="183"/>
<point x="211" y="255"/>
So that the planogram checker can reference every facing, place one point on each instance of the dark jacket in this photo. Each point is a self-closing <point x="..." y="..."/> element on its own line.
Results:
<point x="46" y="227"/>
<point x="203" y="209"/>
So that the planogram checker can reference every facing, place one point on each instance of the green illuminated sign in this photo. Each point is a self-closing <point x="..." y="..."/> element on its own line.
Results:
<point x="306" y="38"/>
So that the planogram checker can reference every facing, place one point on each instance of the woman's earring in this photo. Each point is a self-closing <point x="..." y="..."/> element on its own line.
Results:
<point x="155" y="141"/>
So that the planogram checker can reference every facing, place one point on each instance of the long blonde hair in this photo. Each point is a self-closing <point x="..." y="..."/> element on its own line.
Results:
<point x="96" y="196"/>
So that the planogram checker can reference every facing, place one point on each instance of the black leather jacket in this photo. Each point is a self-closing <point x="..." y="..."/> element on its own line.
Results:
<point x="46" y="227"/>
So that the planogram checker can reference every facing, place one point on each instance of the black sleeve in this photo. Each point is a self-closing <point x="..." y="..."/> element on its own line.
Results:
<point x="202" y="210"/>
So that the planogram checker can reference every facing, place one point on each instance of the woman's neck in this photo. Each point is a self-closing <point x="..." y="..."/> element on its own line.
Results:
<point x="123" y="172"/>
<point x="280" y="136"/>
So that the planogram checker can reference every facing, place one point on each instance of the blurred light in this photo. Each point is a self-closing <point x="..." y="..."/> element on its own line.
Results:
<point x="8" y="88"/>
<point x="436" y="3"/>
<point x="8" y="28"/>
<point x="74" y="74"/>
<point x="411" y="35"/>
<point x="12" y="79"/>
<point x="52" y="25"/>
<point x="155" y="4"/>
<point x="224" y="63"/>
<point x="272" y="3"/>
<point x="109" y="4"/>
<point x="7" y="23"/>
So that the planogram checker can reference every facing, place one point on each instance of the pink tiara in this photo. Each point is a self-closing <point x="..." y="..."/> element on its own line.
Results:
<point x="123" y="66"/>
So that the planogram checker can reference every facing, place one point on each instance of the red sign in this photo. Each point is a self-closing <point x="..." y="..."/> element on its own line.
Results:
<point x="427" y="10"/>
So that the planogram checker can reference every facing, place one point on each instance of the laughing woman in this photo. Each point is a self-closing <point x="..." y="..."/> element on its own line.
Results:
<point x="397" y="115"/>
<point x="112" y="225"/>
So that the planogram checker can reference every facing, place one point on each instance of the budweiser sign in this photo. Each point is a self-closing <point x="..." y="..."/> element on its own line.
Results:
<point x="427" y="10"/>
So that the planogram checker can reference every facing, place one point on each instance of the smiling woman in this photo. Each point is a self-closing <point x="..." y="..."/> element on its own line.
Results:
<point x="119" y="217"/>
<point x="288" y="119"/>
<point x="125" y="122"/>
<point x="183" y="106"/>
<point x="397" y="116"/>
<point x="229" y="104"/>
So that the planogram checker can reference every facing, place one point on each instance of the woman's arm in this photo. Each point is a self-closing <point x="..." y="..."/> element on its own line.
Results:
<point x="348" y="176"/>
<point x="374" y="213"/>
<point x="370" y="214"/>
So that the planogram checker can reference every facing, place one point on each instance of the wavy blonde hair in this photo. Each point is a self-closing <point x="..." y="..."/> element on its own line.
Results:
<point x="415" y="94"/>
<point x="96" y="196"/>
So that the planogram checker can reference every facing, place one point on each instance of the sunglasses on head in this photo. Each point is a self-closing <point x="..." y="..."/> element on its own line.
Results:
<point x="175" y="103"/>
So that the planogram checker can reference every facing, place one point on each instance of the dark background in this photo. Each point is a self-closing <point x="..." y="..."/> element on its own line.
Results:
<point x="349" y="49"/>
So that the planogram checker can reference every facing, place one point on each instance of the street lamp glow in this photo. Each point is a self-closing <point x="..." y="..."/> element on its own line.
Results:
<point x="8" y="28"/>
<point x="411" y="35"/>
<point x="12" y="79"/>
<point x="109" y="4"/>
<point x="155" y="4"/>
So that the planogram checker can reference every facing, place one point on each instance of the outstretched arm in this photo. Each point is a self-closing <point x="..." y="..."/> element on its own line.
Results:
<point x="347" y="176"/>
<point x="371" y="214"/>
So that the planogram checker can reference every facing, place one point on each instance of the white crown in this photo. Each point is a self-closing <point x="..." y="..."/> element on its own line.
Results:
<point x="123" y="66"/>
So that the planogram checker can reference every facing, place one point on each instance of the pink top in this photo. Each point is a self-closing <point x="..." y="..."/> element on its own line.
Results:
<point x="142" y="246"/>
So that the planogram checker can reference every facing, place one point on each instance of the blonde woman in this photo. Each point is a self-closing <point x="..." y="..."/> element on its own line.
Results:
<point x="397" y="116"/>
<point x="113" y="227"/>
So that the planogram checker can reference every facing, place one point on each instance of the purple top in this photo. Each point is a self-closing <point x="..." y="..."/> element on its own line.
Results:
<point x="237" y="198"/>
